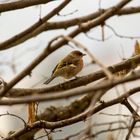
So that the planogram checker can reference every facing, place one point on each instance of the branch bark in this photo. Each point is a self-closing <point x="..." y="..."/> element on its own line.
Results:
<point x="4" y="7"/>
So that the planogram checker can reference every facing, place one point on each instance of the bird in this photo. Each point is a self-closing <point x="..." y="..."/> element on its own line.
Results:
<point x="68" y="67"/>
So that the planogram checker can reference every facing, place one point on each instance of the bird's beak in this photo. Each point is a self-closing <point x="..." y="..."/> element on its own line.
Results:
<point x="83" y="54"/>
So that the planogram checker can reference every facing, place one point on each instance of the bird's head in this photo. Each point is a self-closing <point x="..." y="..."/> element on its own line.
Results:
<point x="77" y="53"/>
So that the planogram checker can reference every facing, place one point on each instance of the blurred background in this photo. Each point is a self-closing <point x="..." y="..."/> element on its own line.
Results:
<point x="110" y="51"/>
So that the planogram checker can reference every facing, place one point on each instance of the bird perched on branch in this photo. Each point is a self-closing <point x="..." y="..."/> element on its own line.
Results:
<point x="68" y="67"/>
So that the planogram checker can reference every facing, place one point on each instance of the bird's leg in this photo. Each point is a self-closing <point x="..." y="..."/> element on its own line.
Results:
<point x="64" y="80"/>
<point x="60" y="85"/>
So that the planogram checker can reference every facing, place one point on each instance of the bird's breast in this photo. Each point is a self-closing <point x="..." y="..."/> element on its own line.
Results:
<point x="73" y="69"/>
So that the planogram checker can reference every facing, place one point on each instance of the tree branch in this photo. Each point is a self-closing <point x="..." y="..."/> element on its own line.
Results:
<point x="4" y="7"/>
<point x="44" y="25"/>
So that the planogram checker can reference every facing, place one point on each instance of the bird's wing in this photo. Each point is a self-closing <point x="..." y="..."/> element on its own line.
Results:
<point x="62" y="65"/>
<point x="55" y="68"/>
<point x="65" y="63"/>
<point x="59" y="66"/>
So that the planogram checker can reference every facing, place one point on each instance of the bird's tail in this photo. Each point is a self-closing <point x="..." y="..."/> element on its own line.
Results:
<point x="49" y="80"/>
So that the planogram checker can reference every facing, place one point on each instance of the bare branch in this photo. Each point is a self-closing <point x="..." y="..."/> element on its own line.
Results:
<point x="83" y="28"/>
<point x="4" y="7"/>
<point x="130" y="63"/>
<point x="44" y="25"/>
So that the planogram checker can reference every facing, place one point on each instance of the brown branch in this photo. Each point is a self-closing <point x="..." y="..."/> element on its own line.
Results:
<point x="129" y="10"/>
<point x="61" y="95"/>
<point x="131" y="109"/>
<point x="134" y="115"/>
<point x="59" y="113"/>
<point x="52" y="114"/>
<point x="13" y="115"/>
<point x="130" y="63"/>
<point x="131" y="129"/>
<point x="108" y="130"/>
<point x="81" y="117"/>
<point x="4" y="7"/>
<point x="33" y="30"/>
<point x="20" y="132"/>
<point x="44" y="25"/>
<point x="83" y="28"/>
<point x="110" y="123"/>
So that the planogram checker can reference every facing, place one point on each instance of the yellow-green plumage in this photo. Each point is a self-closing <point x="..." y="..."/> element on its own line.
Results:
<point x="68" y="67"/>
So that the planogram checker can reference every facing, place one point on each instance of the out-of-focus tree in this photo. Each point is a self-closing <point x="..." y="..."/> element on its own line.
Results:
<point x="88" y="93"/>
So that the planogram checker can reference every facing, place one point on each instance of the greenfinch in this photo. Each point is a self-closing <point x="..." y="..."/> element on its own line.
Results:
<point x="68" y="67"/>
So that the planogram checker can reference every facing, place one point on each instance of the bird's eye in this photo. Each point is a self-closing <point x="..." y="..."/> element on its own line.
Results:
<point x="79" y="53"/>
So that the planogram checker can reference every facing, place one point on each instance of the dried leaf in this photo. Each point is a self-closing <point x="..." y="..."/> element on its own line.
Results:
<point x="137" y="48"/>
<point x="31" y="113"/>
